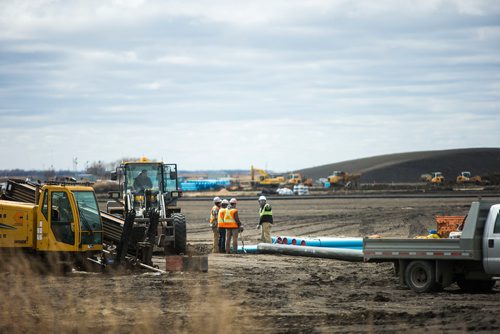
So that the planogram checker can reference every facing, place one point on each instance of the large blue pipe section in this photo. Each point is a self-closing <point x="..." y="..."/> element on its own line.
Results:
<point x="345" y="254"/>
<point x="352" y="243"/>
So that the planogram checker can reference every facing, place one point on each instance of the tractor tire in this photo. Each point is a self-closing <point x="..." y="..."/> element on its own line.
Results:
<point x="180" y="243"/>
<point x="420" y="276"/>
<point x="475" y="286"/>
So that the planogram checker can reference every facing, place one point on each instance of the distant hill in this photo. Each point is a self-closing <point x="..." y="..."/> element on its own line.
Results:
<point x="407" y="167"/>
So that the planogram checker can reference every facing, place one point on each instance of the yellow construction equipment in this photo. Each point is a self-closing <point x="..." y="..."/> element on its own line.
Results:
<point x="466" y="177"/>
<point x="435" y="178"/>
<point x="265" y="179"/>
<point x="149" y="189"/>
<point x="343" y="179"/>
<point x="296" y="178"/>
<point x="65" y="221"/>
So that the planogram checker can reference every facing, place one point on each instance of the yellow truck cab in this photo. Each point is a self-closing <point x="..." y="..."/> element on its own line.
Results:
<point x="65" y="219"/>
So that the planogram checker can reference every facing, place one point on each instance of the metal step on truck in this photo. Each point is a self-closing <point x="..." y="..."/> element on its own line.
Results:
<point x="426" y="265"/>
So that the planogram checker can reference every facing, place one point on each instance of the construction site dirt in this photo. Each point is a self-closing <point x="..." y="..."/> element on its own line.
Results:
<point x="250" y="293"/>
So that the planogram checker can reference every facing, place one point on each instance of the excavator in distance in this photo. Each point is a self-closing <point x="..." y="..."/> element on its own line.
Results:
<point x="265" y="179"/>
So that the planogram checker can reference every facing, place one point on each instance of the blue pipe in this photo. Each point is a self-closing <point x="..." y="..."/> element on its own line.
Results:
<point x="251" y="249"/>
<point x="329" y="242"/>
<point x="322" y="252"/>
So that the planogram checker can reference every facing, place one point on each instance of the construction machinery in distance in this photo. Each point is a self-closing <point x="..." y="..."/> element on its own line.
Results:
<point x="296" y="179"/>
<point x="341" y="179"/>
<point x="59" y="221"/>
<point x="149" y="191"/>
<point x="265" y="179"/>
<point x="466" y="177"/>
<point x="434" y="178"/>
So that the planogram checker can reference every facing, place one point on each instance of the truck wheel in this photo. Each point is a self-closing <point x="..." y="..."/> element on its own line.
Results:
<point x="475" y="286"/>
<point x="180" y="233"/>
<point x="420" y="276"/>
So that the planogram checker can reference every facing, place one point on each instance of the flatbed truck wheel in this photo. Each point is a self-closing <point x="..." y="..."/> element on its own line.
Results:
<point x="420" y="276"/>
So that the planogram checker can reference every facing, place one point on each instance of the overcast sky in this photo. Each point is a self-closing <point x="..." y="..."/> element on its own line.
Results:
<point x="213" y="84"/>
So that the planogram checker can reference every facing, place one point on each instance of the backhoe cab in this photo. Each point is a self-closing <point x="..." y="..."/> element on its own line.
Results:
<point x="149" y="190"/>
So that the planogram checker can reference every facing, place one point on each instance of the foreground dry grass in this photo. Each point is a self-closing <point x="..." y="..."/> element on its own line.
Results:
<point x="80" y="302"/>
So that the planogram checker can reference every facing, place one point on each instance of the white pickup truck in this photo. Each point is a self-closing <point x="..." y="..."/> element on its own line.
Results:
<point x="425" y="265"/>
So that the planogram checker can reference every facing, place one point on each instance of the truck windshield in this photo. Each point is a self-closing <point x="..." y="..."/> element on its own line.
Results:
<point x="142" y="176"/>
<point x="90" y="220"/>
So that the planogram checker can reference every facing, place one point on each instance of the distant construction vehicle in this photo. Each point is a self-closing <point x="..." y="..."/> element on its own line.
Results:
<point x="435" y="178"/>
<point x="62" y="222"/>
<point x="296" y="178"/>
<point x="153" y="205"/>
<point x="466" y="177"/>
<point x="265" y="179"/>
<point x="340" y="179"/>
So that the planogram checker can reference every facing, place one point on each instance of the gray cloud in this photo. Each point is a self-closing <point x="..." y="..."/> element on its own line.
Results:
<point x="178" y="79"/>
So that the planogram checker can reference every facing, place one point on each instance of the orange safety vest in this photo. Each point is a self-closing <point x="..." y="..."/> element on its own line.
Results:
<point x="214" y="214"/>
<point x="220" y="217"/>
<point x="229" y="221"/>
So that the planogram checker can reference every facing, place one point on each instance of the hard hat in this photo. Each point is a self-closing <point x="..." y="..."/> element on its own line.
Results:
<point x="233" y="201"/>
<point x="262" y="198"/>
<point x="224" y="201"/>
<point x="217" y="199"/>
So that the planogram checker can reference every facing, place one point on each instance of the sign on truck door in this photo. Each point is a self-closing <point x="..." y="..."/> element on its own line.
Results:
<point x="491" y="244"/>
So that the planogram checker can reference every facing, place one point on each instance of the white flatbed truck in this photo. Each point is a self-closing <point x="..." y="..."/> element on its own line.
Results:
<point x="426" y="265"/>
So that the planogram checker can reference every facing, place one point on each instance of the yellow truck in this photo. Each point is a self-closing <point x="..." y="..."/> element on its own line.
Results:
<point x="64" y="221"/>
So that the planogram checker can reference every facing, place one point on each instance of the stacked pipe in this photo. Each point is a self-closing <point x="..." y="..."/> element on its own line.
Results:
<point x="20" y="191"/>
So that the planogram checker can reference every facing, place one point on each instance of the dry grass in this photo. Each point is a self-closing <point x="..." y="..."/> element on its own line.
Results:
<point x="82" y="302"/>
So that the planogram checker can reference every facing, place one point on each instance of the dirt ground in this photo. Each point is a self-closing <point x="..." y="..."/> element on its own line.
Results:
<point x="248" y="293"/>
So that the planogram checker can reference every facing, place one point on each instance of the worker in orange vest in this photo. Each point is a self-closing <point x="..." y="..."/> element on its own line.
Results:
<point x="214" y="214"/>
<point x="233" y="226"/>
<point x="221" y="226"/>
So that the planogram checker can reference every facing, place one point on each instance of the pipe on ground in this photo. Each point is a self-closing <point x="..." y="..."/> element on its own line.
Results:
<point x="355" y="243"/>
<point x="321" y="252"/>
<point x="250" y="249"/>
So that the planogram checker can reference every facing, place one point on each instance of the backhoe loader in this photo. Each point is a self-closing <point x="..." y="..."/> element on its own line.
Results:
<point x="149" y="191"/>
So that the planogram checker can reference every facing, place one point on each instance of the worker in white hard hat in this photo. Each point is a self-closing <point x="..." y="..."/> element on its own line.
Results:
<point x="220" y="223"/>
<point x="265" y="220"/>
<point x="233" y="226"/>
<point x="214" y="214"/>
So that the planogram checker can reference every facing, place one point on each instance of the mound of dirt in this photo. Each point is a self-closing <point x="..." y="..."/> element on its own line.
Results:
<point x="407" y="167"/>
